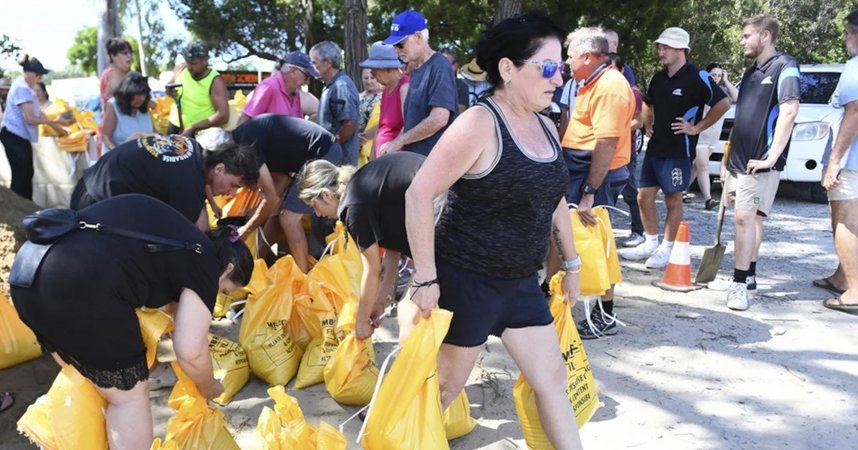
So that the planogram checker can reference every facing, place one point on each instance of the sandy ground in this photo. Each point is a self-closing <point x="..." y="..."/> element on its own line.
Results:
<point x="684" y="373"/>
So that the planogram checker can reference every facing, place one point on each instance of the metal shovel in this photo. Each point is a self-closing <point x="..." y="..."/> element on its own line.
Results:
<point x="711" y="262"/>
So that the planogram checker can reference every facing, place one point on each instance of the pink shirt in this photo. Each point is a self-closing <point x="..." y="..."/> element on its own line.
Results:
<point x="390" y="119"/>
<point x="270" y="97"/>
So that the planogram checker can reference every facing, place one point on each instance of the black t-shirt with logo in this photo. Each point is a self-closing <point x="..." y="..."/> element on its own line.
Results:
<point x="763" y="89"/>
<point x="284" y="143"/>
<point x="683" y="95"/>
<point x="373" y="204"/>
<point x="169" y="168"/>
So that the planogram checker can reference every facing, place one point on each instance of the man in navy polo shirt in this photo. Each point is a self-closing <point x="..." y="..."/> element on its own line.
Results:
<point x="672" y="117"/>
<point x="765" y="112"/>
<point x="431" y="103"/>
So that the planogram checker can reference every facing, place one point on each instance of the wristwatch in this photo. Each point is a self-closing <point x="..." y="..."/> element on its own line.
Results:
<point x="588" y="188"/>
<point x="571" y="264"/>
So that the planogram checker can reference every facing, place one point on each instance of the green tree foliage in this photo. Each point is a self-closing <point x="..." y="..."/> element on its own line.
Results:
<point x="83" y="52"/>
<point x="8" y="50"/>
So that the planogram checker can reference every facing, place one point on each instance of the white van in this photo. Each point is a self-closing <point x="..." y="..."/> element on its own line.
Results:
<point x="810" y="135"/>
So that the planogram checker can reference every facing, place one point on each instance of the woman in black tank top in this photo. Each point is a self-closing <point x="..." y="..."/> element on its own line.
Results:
<point x="502" y="164"/>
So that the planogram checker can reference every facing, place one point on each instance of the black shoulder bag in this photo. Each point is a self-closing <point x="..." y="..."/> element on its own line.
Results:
<point x="44" y="228"/>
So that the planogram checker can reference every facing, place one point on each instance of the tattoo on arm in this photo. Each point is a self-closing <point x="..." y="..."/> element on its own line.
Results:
<point x="555" y="233"/>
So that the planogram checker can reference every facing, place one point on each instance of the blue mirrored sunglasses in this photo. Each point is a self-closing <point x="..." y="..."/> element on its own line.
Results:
<point x="548" y="68"/>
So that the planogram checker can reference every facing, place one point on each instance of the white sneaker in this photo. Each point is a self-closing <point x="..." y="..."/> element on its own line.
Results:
<point x="659" y="258"/>
<point x="737" y="296"/>
<point x="642" y="251"/>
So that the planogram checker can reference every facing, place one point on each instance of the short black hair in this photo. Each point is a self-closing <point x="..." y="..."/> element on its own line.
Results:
<point x="713" y="66"/>
<point x="116" y="46"/>
<point x="852" y="18"/>
<point x="239" y="160"/>
<point x="237" y="253"/>
<point x="133" y="84"/>
<point x="617" y="60"/>
<point x="517" y="38"/>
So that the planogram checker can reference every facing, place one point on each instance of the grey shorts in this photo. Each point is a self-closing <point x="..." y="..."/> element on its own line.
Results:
<point x="291" y="202"/>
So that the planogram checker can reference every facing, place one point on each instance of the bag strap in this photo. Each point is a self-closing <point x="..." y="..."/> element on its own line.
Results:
<point x="156" y="243"/>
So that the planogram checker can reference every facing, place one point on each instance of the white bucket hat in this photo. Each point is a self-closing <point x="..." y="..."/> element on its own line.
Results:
<point x="674" y="37"/>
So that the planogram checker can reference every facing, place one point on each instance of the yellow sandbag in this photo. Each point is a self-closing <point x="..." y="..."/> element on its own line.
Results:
<point x="17" y="341"/>
<point x="351" y="374"/>
<point x="68" y="417"/>
<point x="271" y="351"/>
<point x="196" y="425"/>
<point x="330" y="278"/>
<point x="366" y="148"/>
<point x="154" y="323"/>
<point x="318" y="352"/>
<point x="284" y="427"/>
<point x="244" y="201"/>
<point x="581" y="386"/>
<point x="589" y="243"/>
<point x="406" y="412"/>
<point x="457" y="418"/>
<point x="230" y="367"/>
<point x="615" y="275"/>
<point x="167" y="445"/>
<point x="345" y="246"/>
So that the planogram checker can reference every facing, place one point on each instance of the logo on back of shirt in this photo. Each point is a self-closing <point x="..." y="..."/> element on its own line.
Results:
<point x="167" y="148"/>
<point x="677" y="92"/>
<point x="766" y="80"/>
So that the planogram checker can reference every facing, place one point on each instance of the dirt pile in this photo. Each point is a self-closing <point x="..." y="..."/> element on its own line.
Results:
<point x="12" y="211"/>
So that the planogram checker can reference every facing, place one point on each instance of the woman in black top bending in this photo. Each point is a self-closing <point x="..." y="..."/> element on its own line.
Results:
<point x="503" y="165"/>
<point x="371" y="205"/>
<point x="81" y="303"/>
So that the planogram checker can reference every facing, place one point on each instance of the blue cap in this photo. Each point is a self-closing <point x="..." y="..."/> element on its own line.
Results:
<point x="301" y="61"/>
<point x="405" y="24"/>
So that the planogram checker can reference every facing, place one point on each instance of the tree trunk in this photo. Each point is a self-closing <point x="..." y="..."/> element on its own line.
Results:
<point x="141" y="43"/>
<point x="108" y="27"/>
<point x="355" y="39"/>
<point x="505" y="9"/>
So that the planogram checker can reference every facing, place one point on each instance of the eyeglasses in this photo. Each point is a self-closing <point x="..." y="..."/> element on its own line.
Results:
<point x="401" y="43"/>
<point x="548" y="68"/>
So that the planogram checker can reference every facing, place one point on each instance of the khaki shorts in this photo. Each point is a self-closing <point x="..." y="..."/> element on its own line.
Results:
<point x="752" y="192"/>
<point x="847" y="189"/>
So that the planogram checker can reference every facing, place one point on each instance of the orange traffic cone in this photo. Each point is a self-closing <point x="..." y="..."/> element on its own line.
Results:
<point x="677" y="276"/>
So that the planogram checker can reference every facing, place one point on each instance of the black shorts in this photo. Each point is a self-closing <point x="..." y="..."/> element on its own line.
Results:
<point x="484" y="305"/>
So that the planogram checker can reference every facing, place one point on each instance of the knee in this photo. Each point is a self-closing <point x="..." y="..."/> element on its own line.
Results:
<point x="743" y="220"/>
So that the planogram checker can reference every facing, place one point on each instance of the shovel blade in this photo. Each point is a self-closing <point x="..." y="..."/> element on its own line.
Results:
<point x="710" y="264"/>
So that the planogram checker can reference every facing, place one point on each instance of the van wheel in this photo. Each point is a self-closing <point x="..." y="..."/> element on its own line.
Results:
<point x="818" y="194"/>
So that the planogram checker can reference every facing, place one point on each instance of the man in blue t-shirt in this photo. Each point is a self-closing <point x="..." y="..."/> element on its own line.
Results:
<point x="338" y="107"/>
<point x="841" y="180"/>
<point x="765" y="113"/>
<point x="431" y="103"/>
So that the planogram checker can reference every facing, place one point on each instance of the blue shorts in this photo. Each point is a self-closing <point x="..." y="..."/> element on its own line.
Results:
<point x="484" y="305"/>
<point x="607" y="193"/>
<point x="291" y="202"/>
<point x="670" y="174"/>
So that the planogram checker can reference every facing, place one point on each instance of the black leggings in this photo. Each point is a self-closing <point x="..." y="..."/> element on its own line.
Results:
<point x="19" y="152"/>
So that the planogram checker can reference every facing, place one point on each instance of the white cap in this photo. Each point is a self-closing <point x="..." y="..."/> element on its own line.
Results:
<point x="210" y="138"/>
<point x="674" y="37"/>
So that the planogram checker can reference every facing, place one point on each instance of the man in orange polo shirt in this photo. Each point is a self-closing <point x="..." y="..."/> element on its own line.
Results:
<point x="597" y="144"/>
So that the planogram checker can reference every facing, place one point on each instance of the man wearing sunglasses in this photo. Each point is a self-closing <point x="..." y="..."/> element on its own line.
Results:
<point x="431" y="103"/>
<point x="597" y="146"/>
<point x="281" y="92"/>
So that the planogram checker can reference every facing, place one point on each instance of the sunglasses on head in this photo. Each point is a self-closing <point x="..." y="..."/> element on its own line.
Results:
<point x="548" y="68"/>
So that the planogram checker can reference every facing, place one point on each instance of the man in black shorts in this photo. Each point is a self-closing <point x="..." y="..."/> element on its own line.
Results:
<point x="172" y="169"/>
<point x="765" y="113"/>
<point x="283" y="145"/>
<point x="676" y="98"/>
